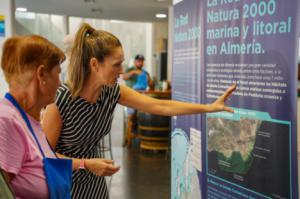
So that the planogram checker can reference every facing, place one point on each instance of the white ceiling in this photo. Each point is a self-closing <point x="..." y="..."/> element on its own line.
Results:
<point x="128" y="10"/>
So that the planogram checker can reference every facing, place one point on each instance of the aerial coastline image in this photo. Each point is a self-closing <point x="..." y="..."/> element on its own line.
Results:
<point x="247" y="152"/>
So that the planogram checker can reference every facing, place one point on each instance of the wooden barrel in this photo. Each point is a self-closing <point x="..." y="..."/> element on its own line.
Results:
<point x="154" y="131"/>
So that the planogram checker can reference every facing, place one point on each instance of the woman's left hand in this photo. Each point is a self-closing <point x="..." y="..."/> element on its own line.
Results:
<point x="219" y="104"/>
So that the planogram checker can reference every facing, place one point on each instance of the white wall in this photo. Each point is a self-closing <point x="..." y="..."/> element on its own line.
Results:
<point x="160" y="39"/>
<point x="7" y="9"/>
<point x="51" y="27"/>
<point x="170" y="42"/>
<point x="136" y="37"/>
<point x="160" y="32"/>
<point x="149" y="49"/>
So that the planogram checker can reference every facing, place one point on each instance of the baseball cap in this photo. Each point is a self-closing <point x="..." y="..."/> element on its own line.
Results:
<point x="139" y="57"/>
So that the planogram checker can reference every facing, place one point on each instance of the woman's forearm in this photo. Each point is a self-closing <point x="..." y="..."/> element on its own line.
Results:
<point x="172" y="107"/>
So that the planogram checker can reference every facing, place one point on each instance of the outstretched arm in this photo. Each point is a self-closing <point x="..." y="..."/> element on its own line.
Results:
<point x="133" y="99"/>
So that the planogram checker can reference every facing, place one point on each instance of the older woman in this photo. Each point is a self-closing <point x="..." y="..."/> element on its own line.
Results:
<point x="84" y="107"/>
<point x="31" y="66"/>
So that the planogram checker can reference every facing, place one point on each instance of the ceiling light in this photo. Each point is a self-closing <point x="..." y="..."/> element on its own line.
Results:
<point x="116" y="21"/>
<point x="21" y="9"/>
<point x="160" y="1"/>
<point x="161" y="16"/>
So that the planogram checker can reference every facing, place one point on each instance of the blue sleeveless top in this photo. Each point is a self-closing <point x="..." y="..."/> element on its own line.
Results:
<point x="141" y="82"/>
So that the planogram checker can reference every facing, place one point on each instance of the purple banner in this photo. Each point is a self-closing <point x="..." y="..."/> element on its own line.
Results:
<point x="253" y="152"/>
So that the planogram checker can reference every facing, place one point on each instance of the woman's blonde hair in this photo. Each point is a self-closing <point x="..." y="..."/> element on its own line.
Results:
<point x="23" y="54"/>
<point x="88" y="43"/>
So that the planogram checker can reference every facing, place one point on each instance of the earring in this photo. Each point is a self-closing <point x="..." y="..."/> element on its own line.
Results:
<point x="44" y="83"/>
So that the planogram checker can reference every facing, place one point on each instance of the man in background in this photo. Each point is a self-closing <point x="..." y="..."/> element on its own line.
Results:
<point x="139" y="79"/>
<point x="136" y="77"/>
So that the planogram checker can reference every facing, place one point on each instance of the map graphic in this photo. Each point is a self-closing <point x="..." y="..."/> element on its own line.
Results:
<point x="185" y="182"/>
<point x="233" y="141"/>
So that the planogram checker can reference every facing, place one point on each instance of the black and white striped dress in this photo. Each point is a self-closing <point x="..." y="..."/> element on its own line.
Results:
<point x="84" y="124"/>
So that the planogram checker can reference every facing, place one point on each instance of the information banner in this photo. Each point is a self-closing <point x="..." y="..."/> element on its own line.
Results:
<point x="186" y="136"/>
<point x="253" y="152"/>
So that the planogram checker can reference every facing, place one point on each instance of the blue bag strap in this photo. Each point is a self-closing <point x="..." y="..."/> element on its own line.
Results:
<point x="15" y="103"/>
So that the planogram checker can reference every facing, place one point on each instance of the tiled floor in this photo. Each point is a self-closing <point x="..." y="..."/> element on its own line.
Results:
<point x="143" y="175"/>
